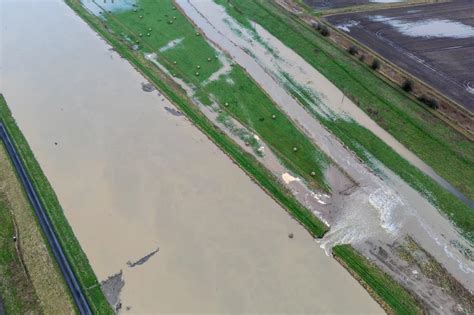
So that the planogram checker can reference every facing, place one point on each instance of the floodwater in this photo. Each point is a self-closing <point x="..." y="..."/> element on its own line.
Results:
<point x="133" y="178"/>
<point x="381" y="209"/>
<point x="427" y="28"/>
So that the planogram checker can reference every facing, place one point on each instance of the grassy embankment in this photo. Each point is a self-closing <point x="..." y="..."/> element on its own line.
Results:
<point x="69" y="243"/>
<point x="449" y="153"/>
<point x="392" y="297"/>
<point x="194" y="51"/>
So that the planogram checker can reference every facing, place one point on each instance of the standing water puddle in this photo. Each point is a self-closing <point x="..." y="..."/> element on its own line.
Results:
<point x="428" y="28"/>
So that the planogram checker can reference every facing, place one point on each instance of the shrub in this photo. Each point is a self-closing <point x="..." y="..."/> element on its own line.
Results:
<point x="321" y="28"/>
<point x="428" y="101"/>
<point x="316" y="26"/>
<point x="407" y="85"/>
<point x="324" y="30"/>
<point x="353" y="50"/>
<point x="362" y="57"/>
<point x="375" y="64"/>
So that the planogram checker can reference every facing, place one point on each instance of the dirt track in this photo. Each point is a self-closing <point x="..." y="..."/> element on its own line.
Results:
<point x="438" y="59"/>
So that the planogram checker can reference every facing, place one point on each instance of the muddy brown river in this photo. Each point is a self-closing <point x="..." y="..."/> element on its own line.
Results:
<point x="133" y="176"/>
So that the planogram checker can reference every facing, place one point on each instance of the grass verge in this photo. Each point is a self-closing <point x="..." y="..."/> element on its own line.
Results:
<point x="35" y="282"/>
<point x="69" y="243"/>
<point x="388" y="293"/>
<point x="178" y="97"/>
<point x="16" y="293"/>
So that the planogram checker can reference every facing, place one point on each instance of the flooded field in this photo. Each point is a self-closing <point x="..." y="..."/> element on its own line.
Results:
<point x="375" y="210"/>
<point x="430" y="41"/>
<point x="150" y="198"/>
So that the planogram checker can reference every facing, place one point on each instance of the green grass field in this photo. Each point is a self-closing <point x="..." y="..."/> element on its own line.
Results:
<point x="246" y="101"/>
<point x="16" y="293"/>
<point x="69" y="243"/>
<point x="393" y="297"/>
<point x="446" y="151"/>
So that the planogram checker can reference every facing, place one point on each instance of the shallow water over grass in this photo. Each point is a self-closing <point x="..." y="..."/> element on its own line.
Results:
<point x="99" y="6"/>
<point x="428" y="28"/>
<point x="380" y="209"/>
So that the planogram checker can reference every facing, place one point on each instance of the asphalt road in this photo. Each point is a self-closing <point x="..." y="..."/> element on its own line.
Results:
<point x="46" y="226"/>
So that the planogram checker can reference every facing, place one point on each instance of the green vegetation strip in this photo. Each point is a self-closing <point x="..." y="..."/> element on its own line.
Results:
<point x="449" y="153"/>
<point x="246" y="161"/>
<point x="392" y="296"/>
<point x="155" y="24"/>
<point x="77" y="259"/>
<point x="367" y="146"/>
<point x="16" y="293"/>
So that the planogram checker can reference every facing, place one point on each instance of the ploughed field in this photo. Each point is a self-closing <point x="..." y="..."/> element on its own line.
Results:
<point x="432" y="42"/>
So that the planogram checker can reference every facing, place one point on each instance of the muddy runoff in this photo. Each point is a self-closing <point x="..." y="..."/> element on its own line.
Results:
<point x="169" y="223"/>
<point x="380" y="209"/>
